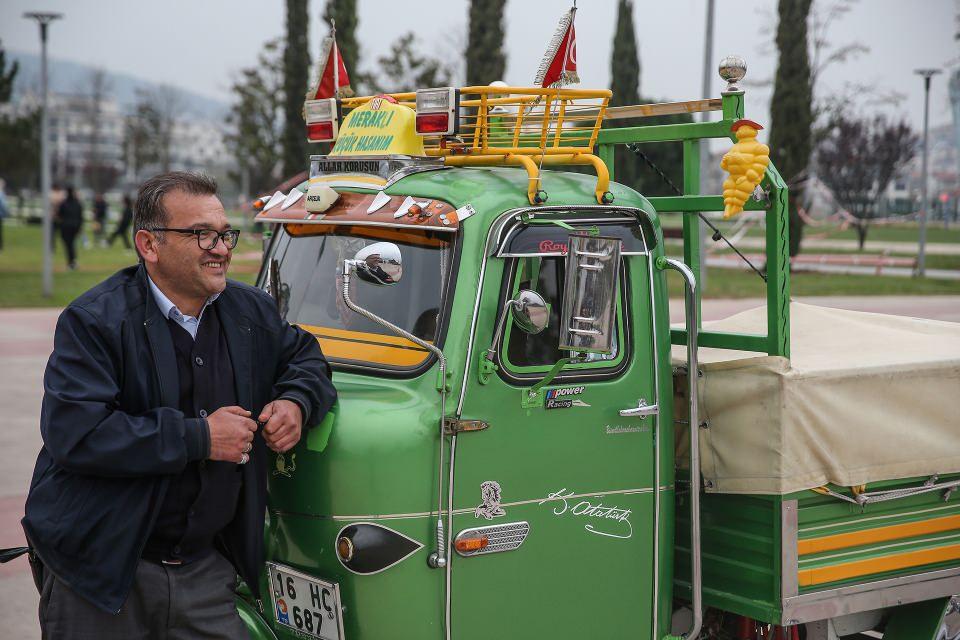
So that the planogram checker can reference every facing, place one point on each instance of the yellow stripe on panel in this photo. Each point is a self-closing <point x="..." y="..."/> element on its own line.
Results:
<point x="834" y="573"/>
<point x="878" y="534"/>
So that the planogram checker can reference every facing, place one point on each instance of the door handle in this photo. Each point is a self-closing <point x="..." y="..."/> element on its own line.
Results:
<point x="642" y="410"/>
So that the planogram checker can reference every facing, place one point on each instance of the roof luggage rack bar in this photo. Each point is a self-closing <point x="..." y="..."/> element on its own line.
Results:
<point x="527" y="127"/>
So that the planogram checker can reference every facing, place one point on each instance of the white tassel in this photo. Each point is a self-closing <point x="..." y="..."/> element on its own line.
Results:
<point x="566" y="77"/>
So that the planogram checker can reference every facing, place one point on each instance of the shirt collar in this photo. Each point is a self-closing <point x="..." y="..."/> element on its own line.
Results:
<point x="170" y="310"/>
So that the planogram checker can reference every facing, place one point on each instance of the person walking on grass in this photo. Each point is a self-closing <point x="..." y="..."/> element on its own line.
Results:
<point x="99" y="220"/>
<point x="123" y="227"/>
<point x="69" y="219"/>
<point x="4" y="209"/>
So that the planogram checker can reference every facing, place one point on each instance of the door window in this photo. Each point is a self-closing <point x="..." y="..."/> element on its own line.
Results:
<point x="523" y="354"/>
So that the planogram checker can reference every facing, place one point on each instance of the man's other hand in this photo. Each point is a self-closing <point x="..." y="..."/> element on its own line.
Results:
<point x="283" y="420"/>
<point x="231" y="433"/>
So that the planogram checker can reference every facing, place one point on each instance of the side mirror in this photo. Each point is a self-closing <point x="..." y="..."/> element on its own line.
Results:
<point x="590" y="294"/>
<point x="379" y="263"/>
<point x="530" y="311"/>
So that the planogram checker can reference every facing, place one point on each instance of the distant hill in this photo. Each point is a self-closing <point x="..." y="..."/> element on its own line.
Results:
<point x="68" y="77"/>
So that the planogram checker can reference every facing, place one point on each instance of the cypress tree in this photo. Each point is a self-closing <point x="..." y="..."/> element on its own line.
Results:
<point x="296" y="65"/>
<point x="485" y="59"/>
<point x="791" y="112"/>
<point x="629" y="168"/>
<point x="7" y="75"/>
<point x="625" y="84"/>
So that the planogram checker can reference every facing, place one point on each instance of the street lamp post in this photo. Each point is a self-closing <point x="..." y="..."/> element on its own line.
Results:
<point x="43" y="20"/>
<point x="926" y="74"/>
<point x="705" y="144"/>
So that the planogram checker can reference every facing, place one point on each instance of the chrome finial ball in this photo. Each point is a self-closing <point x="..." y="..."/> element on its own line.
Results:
<point x="733" y="69"/>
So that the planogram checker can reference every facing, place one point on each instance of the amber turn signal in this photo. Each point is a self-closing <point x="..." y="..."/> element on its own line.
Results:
<point x="345" y="548"/>
<point x="464" y="545"/>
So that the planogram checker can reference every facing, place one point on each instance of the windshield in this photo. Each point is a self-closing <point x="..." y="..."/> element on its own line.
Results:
<point x="310" y="260"/>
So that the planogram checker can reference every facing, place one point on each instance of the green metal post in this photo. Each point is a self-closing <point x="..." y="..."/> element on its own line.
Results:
<point x="607" y="155"/>
<point x="778" y="279"/>
<point x="732" y="106"/>
<point x="691" y="221"/>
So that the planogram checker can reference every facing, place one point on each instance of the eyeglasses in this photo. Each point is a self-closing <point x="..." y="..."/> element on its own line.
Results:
<point x="207" y="238"/>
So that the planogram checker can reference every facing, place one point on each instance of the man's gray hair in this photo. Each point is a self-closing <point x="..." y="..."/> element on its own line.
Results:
<point x="148" y="212"/>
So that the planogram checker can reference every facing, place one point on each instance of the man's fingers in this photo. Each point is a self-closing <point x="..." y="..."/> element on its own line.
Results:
<point x="276" y="436"/>
<point x="267" y="412"/>
<point x="240" y="411"/>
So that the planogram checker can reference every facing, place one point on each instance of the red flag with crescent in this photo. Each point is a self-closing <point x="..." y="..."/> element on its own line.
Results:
<point x="332" y="78"/>
<point x="559" y="65"/>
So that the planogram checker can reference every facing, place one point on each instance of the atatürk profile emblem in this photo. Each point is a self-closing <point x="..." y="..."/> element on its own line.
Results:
<point x="490" y="506"/>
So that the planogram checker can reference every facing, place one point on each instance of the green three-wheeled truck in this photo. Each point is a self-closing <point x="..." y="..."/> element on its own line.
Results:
<point x="511" y="452"/>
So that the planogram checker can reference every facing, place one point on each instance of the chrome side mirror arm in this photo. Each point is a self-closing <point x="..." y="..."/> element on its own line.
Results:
<point x="437" y="559"/>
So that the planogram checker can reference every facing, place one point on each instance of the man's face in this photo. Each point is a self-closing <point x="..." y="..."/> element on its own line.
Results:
<point x="180" y="262"/>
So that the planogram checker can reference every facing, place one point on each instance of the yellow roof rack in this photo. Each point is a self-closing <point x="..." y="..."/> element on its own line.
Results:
<point x="520" y="126"/>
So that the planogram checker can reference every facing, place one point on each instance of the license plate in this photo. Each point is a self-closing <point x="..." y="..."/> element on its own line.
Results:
<point x="306" y="604"/>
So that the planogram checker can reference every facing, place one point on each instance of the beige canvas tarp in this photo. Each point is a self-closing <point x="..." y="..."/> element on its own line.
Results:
<point x="864" y="397"/>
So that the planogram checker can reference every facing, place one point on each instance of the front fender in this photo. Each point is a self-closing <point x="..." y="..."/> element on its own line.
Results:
<point x="256" y="626"/>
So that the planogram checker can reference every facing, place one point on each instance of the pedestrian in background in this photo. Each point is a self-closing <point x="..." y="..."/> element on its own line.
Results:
<point x="57" y="195"/>
<point x="70" y="220"/>
<point x="123" y="227"/>
<point x="4" y="209"/>
<point x="99" y="220"/>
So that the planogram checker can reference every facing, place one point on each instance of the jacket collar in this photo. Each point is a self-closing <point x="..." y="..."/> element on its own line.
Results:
<point x="161" y="344"/>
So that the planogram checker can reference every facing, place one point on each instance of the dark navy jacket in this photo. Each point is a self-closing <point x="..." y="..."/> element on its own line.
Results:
<point x="112" y="437"/>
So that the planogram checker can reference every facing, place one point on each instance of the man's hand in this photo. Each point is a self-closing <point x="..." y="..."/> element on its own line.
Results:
<point x="231" y="433"/>
<point x="283" y="420"/>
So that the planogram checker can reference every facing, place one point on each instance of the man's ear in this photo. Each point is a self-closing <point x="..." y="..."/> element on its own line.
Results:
<point x="146" y="243"/>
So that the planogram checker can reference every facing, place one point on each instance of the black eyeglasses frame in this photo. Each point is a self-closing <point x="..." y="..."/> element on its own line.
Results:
<point x="232" y="234"/>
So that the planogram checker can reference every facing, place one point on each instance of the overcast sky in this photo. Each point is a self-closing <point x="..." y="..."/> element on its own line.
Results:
<point x="200" y="45"/>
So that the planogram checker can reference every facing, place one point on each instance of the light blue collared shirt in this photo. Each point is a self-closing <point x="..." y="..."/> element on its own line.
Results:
<point x="169" y="310"/>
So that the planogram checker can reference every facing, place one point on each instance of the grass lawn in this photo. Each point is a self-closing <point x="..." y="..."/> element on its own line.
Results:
<point x="21" y="266"/>
<point x="905" y="232"/>
<point x="733" y="283"/>
<point x="932" y="261"/>
<point x="21" y="269"/>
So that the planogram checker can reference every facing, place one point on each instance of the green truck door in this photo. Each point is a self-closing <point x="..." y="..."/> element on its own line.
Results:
<point x="565" y="474"/>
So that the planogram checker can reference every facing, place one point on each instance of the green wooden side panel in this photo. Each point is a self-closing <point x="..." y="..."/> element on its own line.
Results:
<point x="741" y="553"/>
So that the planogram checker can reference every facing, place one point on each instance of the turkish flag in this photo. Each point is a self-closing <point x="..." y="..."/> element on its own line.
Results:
<point x="332" y="78"/>
<point x="559" y="66"/>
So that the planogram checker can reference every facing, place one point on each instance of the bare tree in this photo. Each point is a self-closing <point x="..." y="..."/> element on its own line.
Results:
<point x="406" y="68"/>
<point x="168" y="105"/>
<point x="858" y="158"/>
<point x="826" y="53"/>
<point x="100" y="175"/>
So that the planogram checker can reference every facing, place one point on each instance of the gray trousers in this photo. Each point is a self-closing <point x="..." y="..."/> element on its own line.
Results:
<point x="167" y="602"/>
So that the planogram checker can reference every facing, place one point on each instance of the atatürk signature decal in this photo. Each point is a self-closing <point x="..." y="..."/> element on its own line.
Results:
<point x="612" y="522"/>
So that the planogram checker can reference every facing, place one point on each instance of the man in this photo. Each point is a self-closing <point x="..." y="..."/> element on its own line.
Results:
<point x="149" y="492"/>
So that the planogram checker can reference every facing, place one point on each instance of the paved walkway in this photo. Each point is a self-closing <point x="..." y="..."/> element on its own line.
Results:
<point x="26" y="339"/>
